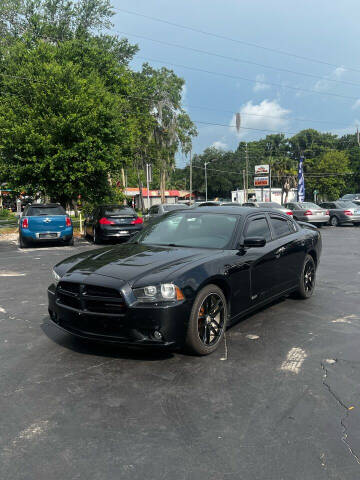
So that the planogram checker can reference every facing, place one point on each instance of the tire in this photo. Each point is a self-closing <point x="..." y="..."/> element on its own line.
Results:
<point x="305" y="290"/>
<point x="23" y="243"/>
<point x="96" y="239"/>
<point x="334" y="221"/>
<point x="205" y="331"/>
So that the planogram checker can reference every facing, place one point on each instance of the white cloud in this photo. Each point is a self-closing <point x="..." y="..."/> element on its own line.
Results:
<point x="356" y="104"/>
<point x="219" y="145"/>
<point x="325" y="84"/>
<point x="339" y="72"/>
<point x="266" y="115"/>
<point x="260" y="85"/>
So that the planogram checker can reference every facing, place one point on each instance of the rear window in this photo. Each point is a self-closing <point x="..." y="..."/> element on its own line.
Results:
<point x="309" y="205"/>
<point x="45" y="211"/>
<point x="281" y="226"/>
<point x="118" y="210"/>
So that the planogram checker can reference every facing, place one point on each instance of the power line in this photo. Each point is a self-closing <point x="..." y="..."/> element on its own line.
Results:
<point x="235" y="40"/>
<point x="240" y="60"/>
<point x="237" y="77"/>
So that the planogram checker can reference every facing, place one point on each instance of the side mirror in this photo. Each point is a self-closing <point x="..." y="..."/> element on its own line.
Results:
<point x="254" y="242"/>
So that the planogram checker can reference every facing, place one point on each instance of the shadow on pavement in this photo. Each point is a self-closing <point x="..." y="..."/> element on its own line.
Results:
<point x="102" y="349"/>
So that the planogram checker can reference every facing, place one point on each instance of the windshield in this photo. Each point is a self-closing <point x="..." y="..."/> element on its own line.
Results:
<point x="169" y="208"/>
<point x="118" y="210"/>
<point x="202" y="230"/>
<point x="46" y="211"/>
<point x="309" y="205"/>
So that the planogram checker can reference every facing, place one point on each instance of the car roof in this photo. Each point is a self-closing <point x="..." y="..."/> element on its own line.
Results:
<point x="240" y="210"/>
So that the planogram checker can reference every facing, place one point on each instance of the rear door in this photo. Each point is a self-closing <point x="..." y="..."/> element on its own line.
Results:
<point x="289" y="251"/>
<point x="46" y="219"/>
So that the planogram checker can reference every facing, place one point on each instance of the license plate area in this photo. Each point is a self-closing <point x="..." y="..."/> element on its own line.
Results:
<point x="48" y="235"/>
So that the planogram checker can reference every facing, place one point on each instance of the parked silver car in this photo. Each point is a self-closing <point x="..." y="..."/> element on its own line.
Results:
<point x="157" y="210"/>
<point x="270" y="206"/>
<point x="350" y="197"/>
<point x="309" y="212"/>
<point x="342" y="212"/>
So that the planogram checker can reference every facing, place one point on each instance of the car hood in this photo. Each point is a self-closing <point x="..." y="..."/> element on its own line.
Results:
<point x="132" y="262"/>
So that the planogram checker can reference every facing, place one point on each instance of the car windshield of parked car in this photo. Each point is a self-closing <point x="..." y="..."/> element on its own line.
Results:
<point x="175" y="206"/>
<point x="309" y="205"/>
<point x="118" y="210"/>
<point x="184" y="229"/>
<point x="45" y="211"/>
<point x="347" y="204"/>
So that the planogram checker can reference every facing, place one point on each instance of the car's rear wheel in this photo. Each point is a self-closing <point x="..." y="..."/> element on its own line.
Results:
<point x="308" y="279"/>
<point x="22" y="242"/>
<point x="207" y="322"/>
<point x="70" y="242"/>
<point x="96" y="239"/>
<point x="334" y="221"/>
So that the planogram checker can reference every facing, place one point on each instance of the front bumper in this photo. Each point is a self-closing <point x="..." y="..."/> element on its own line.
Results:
<point x="137" y="326"/>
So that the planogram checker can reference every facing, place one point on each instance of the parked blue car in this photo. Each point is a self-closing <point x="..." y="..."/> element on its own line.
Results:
<point x="44" y="223"/>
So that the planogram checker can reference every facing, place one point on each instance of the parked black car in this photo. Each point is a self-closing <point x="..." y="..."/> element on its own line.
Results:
<point x="185" y="277"/>
<point x="109" y="222"/>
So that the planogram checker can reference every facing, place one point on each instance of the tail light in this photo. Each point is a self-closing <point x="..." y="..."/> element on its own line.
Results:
<point x="289" y="212"/>
<point x="348" y="212"/>
<point x="308" y="212"/>
<point x="327" y="212"/>
<point x="138" y="221"/>
<point x="25" y="223"/>
<point x="106" y="221"/>
<point x="68" y="222"/>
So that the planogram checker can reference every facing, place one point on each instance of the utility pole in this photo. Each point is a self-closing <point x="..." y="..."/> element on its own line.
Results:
<point x="190" y="177"/>
<point x="205" y="182"/>
<point x="148" y="180"/>
<point x="244" y="185"/>
<point x="246" y="170"/>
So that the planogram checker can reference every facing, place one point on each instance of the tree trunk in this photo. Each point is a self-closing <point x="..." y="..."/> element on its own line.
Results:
<point x="142" y="206"/>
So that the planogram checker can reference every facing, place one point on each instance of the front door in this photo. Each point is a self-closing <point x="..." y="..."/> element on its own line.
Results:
<point x="260" y="259"/>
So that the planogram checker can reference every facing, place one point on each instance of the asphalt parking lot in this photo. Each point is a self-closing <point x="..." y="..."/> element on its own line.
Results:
<point x="279" y="400"/>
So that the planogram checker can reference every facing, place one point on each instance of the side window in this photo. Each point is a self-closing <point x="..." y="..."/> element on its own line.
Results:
<point x="280" y="226"/>
<point x="154" y="210"/>
<point x="258" y="227"/>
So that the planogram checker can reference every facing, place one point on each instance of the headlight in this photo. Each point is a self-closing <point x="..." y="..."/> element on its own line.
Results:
<point x="158" y="293"/>
<point x="56" y="277"/>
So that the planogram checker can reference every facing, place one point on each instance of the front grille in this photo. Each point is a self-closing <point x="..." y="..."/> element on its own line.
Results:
<point x="91" y="298"/>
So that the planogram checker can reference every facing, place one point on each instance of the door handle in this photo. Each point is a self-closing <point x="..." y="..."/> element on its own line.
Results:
<point x="279" y="251"/>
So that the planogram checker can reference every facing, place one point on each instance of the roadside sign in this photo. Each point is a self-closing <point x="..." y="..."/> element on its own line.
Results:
<point x="261" y="169"/>
<point x="261" y="181"/>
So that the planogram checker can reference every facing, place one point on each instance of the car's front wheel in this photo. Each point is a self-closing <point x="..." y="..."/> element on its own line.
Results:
<point x="308" y="279"/>
<point x="207" y="322"/>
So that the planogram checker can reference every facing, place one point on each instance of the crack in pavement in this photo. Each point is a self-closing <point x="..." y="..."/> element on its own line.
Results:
<point x="344" y="437"/>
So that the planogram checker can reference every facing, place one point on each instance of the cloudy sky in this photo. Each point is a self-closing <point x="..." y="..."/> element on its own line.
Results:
<point x="269" y="88"/>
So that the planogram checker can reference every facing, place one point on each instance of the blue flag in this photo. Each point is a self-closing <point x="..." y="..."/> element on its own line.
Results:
<point x="301" y="181"/>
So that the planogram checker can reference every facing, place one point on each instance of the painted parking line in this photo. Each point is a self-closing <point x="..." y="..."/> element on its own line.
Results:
<point x="294" y="360"/>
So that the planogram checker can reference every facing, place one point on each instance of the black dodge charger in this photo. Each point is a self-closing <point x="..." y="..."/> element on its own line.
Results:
<point x="185" y="278"/>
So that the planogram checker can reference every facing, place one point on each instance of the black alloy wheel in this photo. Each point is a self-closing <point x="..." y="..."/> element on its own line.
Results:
<point x="207" y="321"/>
<point x="308" y="279"/>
